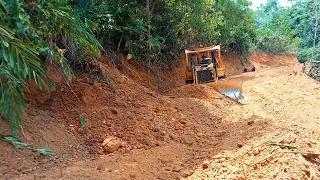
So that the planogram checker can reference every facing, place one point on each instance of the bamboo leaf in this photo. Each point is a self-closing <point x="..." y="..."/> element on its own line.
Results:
<point x="83" y="120"/>
<point x="12" y="58"/>
<point x="16" y="142"/>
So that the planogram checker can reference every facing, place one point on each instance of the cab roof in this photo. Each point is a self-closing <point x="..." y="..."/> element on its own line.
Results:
<point x="205" y="49"/>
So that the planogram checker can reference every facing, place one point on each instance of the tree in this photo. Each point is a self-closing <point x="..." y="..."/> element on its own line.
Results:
<point x="239" y="27"/>
<point x="275" y="34"/>
<point x="316" y="25"/>
<point x="290" y="29"/>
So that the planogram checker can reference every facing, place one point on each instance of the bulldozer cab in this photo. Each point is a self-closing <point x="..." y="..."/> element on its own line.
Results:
<point x="204" y="65"/>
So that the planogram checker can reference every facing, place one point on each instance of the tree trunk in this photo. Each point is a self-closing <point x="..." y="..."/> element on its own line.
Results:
<point x="316" y="25"/>
<point x="149" y="35"/>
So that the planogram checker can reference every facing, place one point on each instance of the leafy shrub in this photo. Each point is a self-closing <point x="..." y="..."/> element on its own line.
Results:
<point x="290" y="29"/>
<point x="27" y="42"/>
<point x="309" y="54"/>
<point x="277" y="43"/>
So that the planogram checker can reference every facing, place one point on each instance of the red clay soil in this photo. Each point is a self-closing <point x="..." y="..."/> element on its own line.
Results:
<point x="265" y="60"/>
<point x="233" y="64"/>
<point x="164" y="136"/>
<point x="195" y="91"/>
<point x="142" y="118"/>
<point x="159" y="80"/>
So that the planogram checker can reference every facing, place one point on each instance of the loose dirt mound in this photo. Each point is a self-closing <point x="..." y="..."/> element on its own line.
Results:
<point x="196" y="91"/>
<point x="159" y="79"/>
<point x="168" y="137"/>
<point x="138" y="116"/>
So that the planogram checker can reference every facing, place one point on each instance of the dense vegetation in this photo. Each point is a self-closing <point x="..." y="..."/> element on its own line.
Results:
<point x="157" y="31"/>
<point x="290" y="29"/>
<point x="33" y="33"/>
<point x="68" y="33"/>
<point x="36" y="32"/>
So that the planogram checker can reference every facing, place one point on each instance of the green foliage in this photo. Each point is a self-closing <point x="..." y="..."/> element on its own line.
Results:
<point x="306" y="25"/>
<point x="239" y="27"/>
<point x="290" y="29"/>
<point x="83" y="120"/>
<point x="18" y="61"/>
<point x="275" y="34"/>
<point x="277" y="43"/>
<point x="16" y="142"/>
<point x="26" y="42"/>
<point x="159" y="32"/>
<point x="52" y="85"/>
<point x="309" y="54"/>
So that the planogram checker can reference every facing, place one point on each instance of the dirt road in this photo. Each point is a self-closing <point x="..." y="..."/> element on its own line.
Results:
<point x="200" y="134"/>
<point x="288" y="103"/>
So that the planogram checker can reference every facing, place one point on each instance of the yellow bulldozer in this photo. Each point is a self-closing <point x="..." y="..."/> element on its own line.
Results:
<point x="204" y="65"/>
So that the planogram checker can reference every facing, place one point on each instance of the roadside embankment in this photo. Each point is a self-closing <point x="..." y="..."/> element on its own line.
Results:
<point x="312" y="69"/>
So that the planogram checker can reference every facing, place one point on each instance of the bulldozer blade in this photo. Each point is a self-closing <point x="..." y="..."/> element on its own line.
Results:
<point x="232" y="93"/>
<point x="231" y="88"/>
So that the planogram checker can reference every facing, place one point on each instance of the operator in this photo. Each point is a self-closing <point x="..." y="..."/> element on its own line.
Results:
<point x="211" y="65"/>
<point x="204" y="60"/>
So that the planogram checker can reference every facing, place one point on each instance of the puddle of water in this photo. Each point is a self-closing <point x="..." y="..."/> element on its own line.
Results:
<point x="231" y="88"/>
<point x="232" y="93"/>
<point x="235" y="94"/>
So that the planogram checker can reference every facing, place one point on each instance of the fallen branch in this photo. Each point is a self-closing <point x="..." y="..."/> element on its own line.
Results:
<point x="264" y="159"/>
<point x="255" y="147"/>
<point x="243" y="169"/>
<point x="220" y="157"/>
<point x="289" y="146"/>
<point x="311" y="155"/>
<point x="304" y="154"/>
